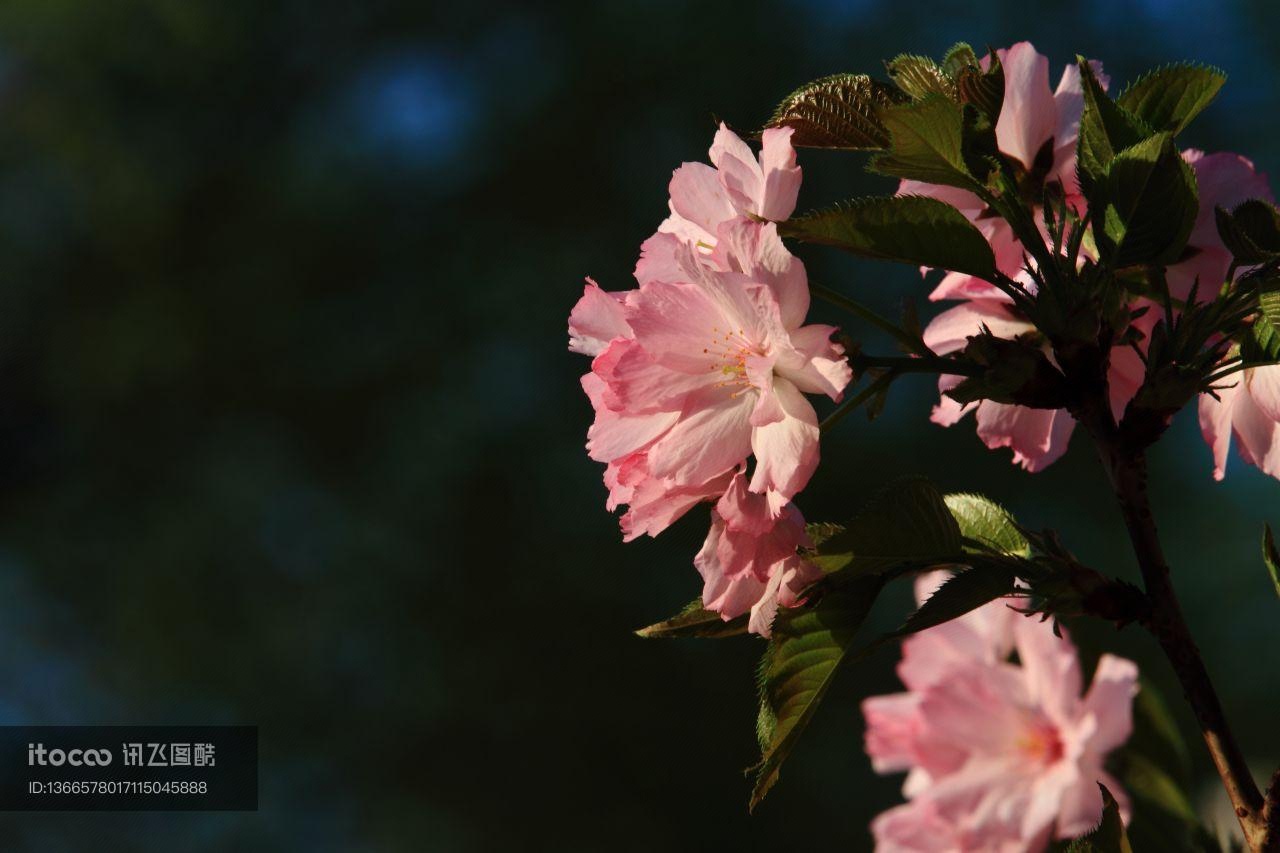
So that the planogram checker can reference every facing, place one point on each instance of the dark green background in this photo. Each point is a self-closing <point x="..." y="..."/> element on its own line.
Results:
<point x="289" y="435"/>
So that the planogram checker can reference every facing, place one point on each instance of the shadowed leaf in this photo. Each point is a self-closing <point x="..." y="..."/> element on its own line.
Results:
<point x="909" y="229"/>
<point x="907" y="522"/>
<point x="1106" y="128"/>
<point x="840" y="111"/>
<point x="968" y="590"/>
<point x="1109" y="836"/>
<point x="1150" y="204"/>
<point x="807" y="647"/>
<point x="1271" y="557"/>
<point x="1251" y="232"/>
<point x="694" y="621"/>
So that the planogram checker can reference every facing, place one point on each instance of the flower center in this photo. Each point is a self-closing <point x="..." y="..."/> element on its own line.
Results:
<point x="729" y="351"/>
<point x="1040" y="743"/>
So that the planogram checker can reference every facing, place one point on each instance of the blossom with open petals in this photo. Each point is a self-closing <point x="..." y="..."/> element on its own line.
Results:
<point x="1037" y="129"/>
<point x="709" y="359"/>
<point x="1001" y="755"/>
<point x="749" y="561"/>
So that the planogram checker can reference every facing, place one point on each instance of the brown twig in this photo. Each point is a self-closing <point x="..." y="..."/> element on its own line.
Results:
<point x="1126" y="467"/>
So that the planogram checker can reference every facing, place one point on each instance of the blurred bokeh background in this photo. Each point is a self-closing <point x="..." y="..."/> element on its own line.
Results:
<point x="289" y="435"/>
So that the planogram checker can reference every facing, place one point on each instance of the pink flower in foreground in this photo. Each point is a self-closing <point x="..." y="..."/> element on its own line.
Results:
<point x="1037" y="128"/>
<point x="1037" y="437"/>
<point x="1223" y="180"/>
<point x="1001" y="756"/>
<point x="749" y="561"/>
<point x="1248" y="409"/>
<point x="704" y="368"/>
<point x="704" y="197"/>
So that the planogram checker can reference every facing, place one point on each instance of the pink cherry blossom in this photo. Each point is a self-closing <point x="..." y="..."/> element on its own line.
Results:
<point x="1037" y="437"/>
<point x="719" y="348"/>
<point x="1248" y="409"/>
<point x="1037" y="127"/>
<point x="739" y="185"/>
<point x="707" y="362"/>
<point x="1000" y="755"/>
<point x="1223" y="180"/>
<point x="749" y="561"/>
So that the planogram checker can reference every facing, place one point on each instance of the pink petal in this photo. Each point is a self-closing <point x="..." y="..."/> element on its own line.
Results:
<point x="656" y="504"/>
<point x="1258" y="434"/>
<point x="739" y="172"/>
<point x="786" y="451"/>
<point x="684" y="326"/>
<point x="597" y="319"/>
<point x="950" y="330"/>
<point x="614" y="435"/>
<point x="1028" y="116"/>
<point x="781" y="175"/>
<point x="711" y="436"/>
<point x="1050" y="668"/>
<point x="1215" y="423"/>
<point x="892" y="726"/>
<point x="1263" y="385"/>
<point x="699" y="203"/>
<point x="820" y="366"/>
<point x="667" y="258"/>
<point x="1110" y="701"/>
<point x="1037" y="437"/>
<point x="757" y="251"/>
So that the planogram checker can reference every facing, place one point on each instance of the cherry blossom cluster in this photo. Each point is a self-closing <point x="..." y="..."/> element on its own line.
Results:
<point x="699" y="374"/>
<point x="1038" y="128"/>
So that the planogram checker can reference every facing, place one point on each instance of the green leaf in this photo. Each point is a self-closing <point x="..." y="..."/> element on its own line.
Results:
<point x="1169" y="98"/>
<point x="926" y="143"/>
<point x="907" y="522"/>
<point x="1251" y="232"/>
<point x="1262" y="343"/>
<point x="1109" y="836"/>
<point x="909" y="229"/>
<point x="840" y="111"/>
<point x="920" y="77"/>
<point x="1106" y="128"/>
<point x="1270" y="556"/>
<point x="984" y="582"/>
<point x="807" y="647"/>
<point x="983" y="520"/>
<point x="694" y="621"/>
<point x="820" y="531"/>
<point x="958" y="57"/>
<point x="1150" y="204"/>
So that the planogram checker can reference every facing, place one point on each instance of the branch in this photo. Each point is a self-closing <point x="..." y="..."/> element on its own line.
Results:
<point x="1128" y="473"/>
<point x="881" y="383"/>
<point x="922" y="364"/>
<point x="910" y="342"/>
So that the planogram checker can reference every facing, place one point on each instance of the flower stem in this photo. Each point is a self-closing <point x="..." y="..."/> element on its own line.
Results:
<point x="1128" y="473"/>
<point x="881" y="382"/>
<point x="911" y="343"/>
